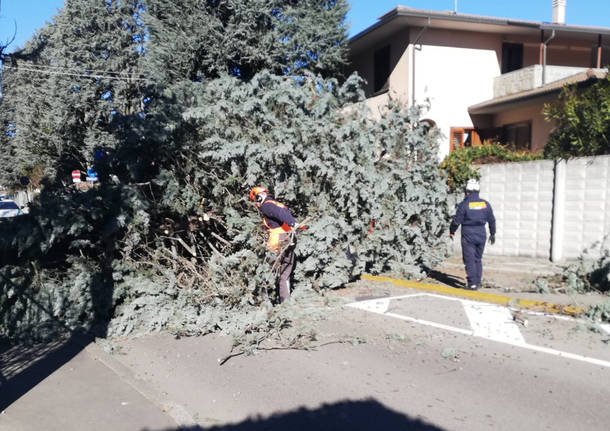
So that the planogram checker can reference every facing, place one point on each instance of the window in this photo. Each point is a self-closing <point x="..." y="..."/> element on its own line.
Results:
<point x="512" y="57"/>
<point x="8" y="205"/>
<point x="456" y="139"/>
<point x="517" y="136"/>
<point x="460" y="137"/>
<point x="382" y="69"/>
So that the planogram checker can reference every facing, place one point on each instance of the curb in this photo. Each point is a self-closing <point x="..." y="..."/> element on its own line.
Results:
<point x="539" y="306"/>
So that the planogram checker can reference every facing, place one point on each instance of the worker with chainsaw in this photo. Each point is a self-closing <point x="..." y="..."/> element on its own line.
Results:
<point x="281" y="225"/>
<point x="472" y="214"/>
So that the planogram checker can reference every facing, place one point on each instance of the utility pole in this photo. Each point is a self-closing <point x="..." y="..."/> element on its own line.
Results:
<point x="455" y="6"/>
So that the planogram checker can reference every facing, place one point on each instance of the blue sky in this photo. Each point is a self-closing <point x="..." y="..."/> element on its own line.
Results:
<point x="29" y="15"/>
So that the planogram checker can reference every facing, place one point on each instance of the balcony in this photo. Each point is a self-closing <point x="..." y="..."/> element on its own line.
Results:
<point x="530" y="77"/>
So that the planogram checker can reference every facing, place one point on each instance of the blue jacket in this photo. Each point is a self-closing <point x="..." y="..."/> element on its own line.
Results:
<point x="472" y="213"/>
<point x="275" y="214"/>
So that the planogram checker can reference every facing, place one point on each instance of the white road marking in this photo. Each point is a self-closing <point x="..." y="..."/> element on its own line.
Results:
<point x="429" y="323"/>
<point x="491" y="322"/>
<point x="380" y="306"/>
<point x="373" y="305"/>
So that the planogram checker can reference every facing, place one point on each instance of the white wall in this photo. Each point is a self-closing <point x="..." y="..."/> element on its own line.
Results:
<point x="452" y="70"/>
<point x="521" y="195"/>
<point x="587" y="204"/>
<point x="452" y="79"/>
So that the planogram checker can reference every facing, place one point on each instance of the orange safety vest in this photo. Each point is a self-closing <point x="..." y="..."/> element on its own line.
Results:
<point x="275" y="235"/>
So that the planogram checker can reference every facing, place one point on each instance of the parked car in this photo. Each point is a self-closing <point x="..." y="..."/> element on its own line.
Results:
<point x="8" y="208"/>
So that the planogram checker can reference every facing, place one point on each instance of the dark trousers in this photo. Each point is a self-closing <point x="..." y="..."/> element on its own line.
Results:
<point x="472" y="253"/>
<point x="282" y="264"/>
<point x="284" y="280"/>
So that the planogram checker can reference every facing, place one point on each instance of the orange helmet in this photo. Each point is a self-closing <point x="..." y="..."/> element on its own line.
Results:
<point x="255" y="192"/>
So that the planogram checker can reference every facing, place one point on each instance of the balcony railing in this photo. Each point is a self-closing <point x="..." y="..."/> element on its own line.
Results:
<point x="530" y="77"/>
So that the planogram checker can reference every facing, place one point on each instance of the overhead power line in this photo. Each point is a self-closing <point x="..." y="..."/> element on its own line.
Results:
<point x="69" y="69"/>
<point x="90" y="74"/>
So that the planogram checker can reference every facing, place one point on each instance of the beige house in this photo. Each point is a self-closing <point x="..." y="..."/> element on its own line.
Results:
<point x="484" y="77"/>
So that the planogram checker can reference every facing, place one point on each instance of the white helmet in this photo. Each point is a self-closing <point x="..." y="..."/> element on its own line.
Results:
<point x="472" y="185"/>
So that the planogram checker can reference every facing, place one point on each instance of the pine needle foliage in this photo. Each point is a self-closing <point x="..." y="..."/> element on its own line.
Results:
<point x="173" y="243"/>
<point x="205" y="39"/>
<point x="306" y="142"/>
<point x="589" y="273"/>
<point x="74" y="88"/>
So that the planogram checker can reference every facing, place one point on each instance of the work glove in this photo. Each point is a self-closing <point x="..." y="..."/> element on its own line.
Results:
<point x="492" y="239"/>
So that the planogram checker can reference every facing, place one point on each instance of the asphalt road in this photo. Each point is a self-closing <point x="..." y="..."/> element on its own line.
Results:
<point x="415" y="361"/>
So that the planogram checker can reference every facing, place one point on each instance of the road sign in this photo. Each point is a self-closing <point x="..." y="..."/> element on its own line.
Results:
<point x="76" y="176"/>
<point x="91" y="176"/>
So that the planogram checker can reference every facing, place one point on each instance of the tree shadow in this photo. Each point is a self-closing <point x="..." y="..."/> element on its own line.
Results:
<point x="38" y="334"/>
<point x="449" y="280"/>
<point x="341" y="416"/>
<point x="23" y="367"/>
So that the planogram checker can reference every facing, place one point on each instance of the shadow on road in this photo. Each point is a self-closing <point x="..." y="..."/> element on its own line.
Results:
<point x="41" y="298"/>
<point x="23" y="367"/>
<point x="342" y="416"/>
<point x="446" y="279"/>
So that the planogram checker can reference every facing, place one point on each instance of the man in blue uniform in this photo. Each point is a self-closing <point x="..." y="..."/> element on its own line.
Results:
<point x="280" y="224"/>
<point x="473" y="213"/>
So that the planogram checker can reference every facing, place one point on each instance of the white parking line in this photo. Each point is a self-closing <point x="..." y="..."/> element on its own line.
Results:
<point x="381" y="305"/>
<point x="492" y="322"/>
<point x="489" y="321"/>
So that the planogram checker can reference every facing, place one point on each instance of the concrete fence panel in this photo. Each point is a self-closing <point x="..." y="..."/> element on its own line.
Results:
<point x="587" y="207"/>
<point x="521" y="195"/>
<point x="548" y="209"/>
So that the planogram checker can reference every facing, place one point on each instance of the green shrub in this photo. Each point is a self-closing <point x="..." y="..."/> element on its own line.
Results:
<point x="459" y="163"/>
<point x="582" y="117"/>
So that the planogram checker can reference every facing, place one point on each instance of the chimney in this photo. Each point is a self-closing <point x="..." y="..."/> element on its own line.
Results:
<point x="559" y="11"/>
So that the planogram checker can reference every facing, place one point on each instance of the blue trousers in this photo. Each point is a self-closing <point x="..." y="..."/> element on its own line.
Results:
<point x="472" y="253"/>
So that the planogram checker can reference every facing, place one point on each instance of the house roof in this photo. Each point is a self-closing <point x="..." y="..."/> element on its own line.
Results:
<point x="536" y="95"/>
<point x="402" y="17"/>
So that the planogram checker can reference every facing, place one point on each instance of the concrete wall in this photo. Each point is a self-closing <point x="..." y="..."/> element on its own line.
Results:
<point x="521" y="195"/>
<point x="547" y="209"/>
<point x="518" y="80"/>
<point x="586" y="204"/>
